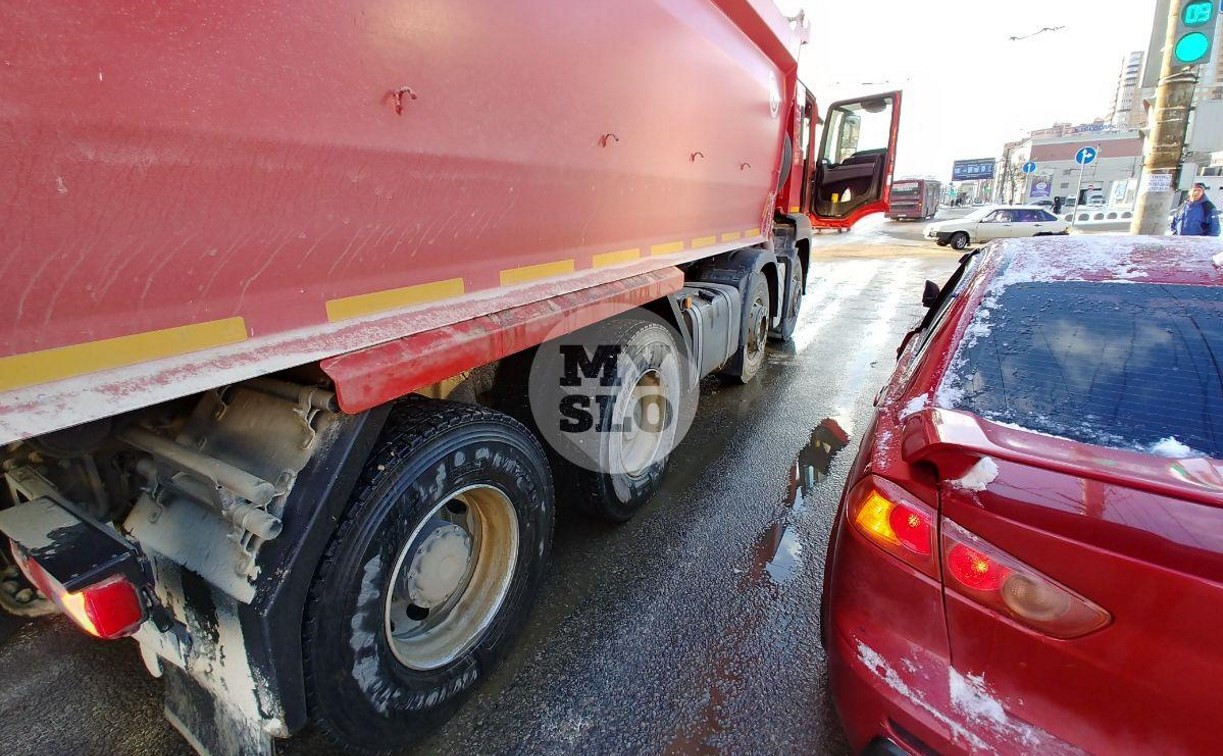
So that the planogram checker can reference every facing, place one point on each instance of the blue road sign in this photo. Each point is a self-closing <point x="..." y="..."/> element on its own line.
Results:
<point x="973" y="170"/>
<point x="1029" y="167"/>
<point x="1085" y="155"/>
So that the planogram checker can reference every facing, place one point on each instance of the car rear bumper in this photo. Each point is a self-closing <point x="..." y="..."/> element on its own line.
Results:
<point x="880" y="698"/>
<point x="889" y="664"/>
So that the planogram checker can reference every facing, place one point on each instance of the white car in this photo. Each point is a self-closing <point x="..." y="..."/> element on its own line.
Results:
<point x="988" y="223"/>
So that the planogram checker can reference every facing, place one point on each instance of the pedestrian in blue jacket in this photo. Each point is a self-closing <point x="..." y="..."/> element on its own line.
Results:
<point x="1196" y="217"/>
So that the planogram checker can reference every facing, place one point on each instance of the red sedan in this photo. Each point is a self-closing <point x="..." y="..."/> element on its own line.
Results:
<point x="1028" y="556"/>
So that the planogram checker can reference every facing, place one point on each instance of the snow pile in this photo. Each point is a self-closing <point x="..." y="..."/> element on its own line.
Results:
<point x="951" y="390"/>
<point x="914" y="405"/>
<point x="971" y="697"/>
<point x="1218" y="260"/>
<point x="981" y="475"/>
<point x="1171" y="448"/>
<point x="889" y="677"/>
<point x="968" y="694"/>
<point x="1116" y="257"/>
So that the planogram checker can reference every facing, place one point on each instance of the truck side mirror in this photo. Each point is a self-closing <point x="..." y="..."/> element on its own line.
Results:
<point x="929" y="296"/>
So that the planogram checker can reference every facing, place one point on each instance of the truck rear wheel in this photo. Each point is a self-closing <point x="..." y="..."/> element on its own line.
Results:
<point x="631" y="462"/>
<point x="430" y="574"/>
<point x="789" y="319"/>
<point x="750" y="357"/>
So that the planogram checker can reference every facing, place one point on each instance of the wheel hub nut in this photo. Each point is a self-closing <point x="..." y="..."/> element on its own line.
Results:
<point x="440" y="566"/>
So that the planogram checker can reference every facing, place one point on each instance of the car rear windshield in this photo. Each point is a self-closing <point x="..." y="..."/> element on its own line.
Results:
<point x="1118" y="364"/>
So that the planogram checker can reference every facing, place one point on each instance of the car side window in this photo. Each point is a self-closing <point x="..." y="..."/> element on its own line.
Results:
<point x="1004" y="216"/>
<point x="991" y="218"/>
<point x="1029" y="216"/>
<point x="1045" y="215"/>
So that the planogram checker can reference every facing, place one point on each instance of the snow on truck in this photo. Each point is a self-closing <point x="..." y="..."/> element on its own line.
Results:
<point x="275" y="285"/>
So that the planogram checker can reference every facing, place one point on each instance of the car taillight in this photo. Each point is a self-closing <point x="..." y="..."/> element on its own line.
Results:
<point x="989" y="576"/>
<point x="895" y="521"/>
<point x="109" y="609"/>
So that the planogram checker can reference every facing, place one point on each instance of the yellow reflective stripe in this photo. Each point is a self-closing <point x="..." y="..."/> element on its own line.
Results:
<point x="732" y="236"/>
<point x="795" y="208"/>
<point x="704" y="241"/>
<point x="78" y="359"/>
<point x="751" y="232"/>
<point x="346" y="308"/>
<point x="533" y="272"/>
<point x="669" y="248"/>
<point x="615" y="258"/>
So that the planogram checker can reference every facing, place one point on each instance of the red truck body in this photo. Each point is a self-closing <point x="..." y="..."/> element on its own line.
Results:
<point x="201" y="194"/>
<point x="289" y="215"/>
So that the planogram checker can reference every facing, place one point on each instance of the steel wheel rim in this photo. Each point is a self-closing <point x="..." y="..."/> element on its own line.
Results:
<point x="636" y="447"/>
<point x="760" y="333"/>
<point x="796" y="282"/>
<point x="451" y="578"/>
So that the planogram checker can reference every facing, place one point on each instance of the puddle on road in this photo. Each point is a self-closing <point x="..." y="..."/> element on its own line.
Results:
<point x="775" y="559"/>
<point x="786" y="554"/>
<point x="813" y="462"/>
<point x="777" y="552"/>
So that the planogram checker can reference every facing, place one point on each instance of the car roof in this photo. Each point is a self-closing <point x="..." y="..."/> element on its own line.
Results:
<point x="1134" y="259"/>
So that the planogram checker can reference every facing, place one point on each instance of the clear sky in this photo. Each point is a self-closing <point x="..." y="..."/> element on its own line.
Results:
<point x="967" y="87"/>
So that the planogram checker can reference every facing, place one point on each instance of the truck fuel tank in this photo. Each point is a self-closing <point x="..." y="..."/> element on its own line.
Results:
<point x="712" y="314"/>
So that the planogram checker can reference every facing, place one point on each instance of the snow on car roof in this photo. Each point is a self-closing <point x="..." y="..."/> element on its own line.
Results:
<point x="1151" y="259"/>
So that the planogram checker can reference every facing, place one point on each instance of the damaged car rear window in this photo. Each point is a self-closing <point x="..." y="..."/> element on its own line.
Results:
<point x="1128" y="365"/>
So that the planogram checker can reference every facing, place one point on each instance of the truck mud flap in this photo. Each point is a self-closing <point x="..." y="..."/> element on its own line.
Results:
<point x="203" y="721"/>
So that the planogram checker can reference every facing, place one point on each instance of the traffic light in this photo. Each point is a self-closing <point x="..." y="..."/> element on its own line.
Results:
<point x="1195" y="31"/>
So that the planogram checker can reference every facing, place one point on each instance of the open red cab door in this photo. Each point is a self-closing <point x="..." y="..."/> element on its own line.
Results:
<point x="851" y="177"/>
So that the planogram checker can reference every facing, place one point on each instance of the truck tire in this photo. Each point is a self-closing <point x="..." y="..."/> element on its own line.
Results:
<point x="429" y="575"/>
<point x="789" y="318"/>
<point x="755" y="335"/>
<point x="631" y="464"/>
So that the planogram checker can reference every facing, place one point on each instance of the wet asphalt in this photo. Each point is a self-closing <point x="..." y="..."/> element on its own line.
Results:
<point x="692" y="628"/>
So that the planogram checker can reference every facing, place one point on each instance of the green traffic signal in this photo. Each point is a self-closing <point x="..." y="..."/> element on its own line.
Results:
<point x="1191" y="48"/>
<point x="1196" y="14"/>
<point x="1195" y="32"/>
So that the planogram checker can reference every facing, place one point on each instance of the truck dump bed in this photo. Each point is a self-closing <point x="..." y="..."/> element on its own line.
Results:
<point x="199" y="194"/>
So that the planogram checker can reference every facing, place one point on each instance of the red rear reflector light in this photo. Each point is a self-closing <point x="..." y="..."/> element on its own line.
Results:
<point x="894" y="520"/>
<point x="974" y="569"/>
<point x="989" y="576"/>
<point x="108" y="609"/>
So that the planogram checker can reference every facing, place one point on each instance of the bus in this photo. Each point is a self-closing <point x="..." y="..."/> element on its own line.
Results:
<point x="915" y="199"/>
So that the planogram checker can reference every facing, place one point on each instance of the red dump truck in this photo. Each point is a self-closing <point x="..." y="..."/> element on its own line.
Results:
<point x="275" y="279"/>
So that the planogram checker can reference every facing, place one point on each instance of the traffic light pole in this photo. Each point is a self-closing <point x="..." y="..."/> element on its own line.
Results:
<point x="1166" y="142"/>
